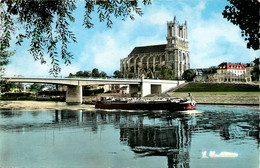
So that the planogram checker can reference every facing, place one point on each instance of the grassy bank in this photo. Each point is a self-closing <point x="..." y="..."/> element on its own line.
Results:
<point x="220" y="93"/>
<point x="218" y="87"/>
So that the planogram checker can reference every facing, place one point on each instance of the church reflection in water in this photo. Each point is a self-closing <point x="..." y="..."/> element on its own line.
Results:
<point x="167" y="135"/>
<point x="148" y="140"/>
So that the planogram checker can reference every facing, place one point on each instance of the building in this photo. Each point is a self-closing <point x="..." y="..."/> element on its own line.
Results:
<point x="205" y="74"/>
<point x="231" y="72"/>
<point x="146" y="61"/>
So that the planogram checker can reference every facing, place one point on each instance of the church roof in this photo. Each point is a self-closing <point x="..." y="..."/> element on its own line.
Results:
<point x="149" y="49"/>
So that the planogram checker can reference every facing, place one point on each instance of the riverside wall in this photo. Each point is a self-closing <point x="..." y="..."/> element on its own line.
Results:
<point x="228" y="99"/>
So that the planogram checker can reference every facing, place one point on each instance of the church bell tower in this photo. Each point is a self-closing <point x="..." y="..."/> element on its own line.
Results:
<point x="177" y="54"/>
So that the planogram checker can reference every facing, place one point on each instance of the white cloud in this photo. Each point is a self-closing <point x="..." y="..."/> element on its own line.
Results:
<point x="23" y="64"/>
<point x="212" y="40"/>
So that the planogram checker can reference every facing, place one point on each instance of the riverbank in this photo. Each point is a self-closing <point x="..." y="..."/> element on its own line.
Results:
<point x="42" y="106"/>
<point x="221" y="98"/>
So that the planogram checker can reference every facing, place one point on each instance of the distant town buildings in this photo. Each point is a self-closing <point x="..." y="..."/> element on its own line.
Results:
<point x="225" y="72"/>
<point x="147" y="61"/>
<point x="231" y="72"/>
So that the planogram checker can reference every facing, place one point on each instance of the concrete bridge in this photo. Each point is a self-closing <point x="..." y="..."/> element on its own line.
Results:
<point x="74" y="85"/>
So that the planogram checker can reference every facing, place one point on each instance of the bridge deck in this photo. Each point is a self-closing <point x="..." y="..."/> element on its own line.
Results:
<point x="72" y="81"/>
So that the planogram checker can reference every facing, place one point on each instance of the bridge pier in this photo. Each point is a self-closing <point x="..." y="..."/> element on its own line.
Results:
<point x="74" y="95"/>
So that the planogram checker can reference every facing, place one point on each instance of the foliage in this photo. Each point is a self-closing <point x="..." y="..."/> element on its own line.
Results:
<point x="189" y="75"/>
<point x="36" y="87"/>
<point x="87" y="73"/>
<point x="102" y="74"/>
<point x="165" y="72"/>
<point x="95" y="72"/>
<point x="117" y="74"/>
<point x="255" y="72"/>
<point x="79" y="73"/>
<point x="256" y="62"/>
<point x="245" y="14"/>
<point x="6" y="87"/>
<point x="46" y="24"/>
<point x="6" y="27"/>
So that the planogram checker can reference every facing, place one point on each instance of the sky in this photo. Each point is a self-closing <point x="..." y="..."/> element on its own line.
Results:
<point x="212" y="39"/>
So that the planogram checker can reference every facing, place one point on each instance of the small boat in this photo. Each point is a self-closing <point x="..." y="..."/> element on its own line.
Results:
<point x="174" y="104"/>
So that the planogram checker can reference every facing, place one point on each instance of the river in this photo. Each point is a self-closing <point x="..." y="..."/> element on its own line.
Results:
<point x="211" y="136"/>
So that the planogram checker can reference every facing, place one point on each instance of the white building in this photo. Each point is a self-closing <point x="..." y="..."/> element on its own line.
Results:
<point x="231" y="72"/>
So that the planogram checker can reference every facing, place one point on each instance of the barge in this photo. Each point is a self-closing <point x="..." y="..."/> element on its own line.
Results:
<point x="174" y="104"/>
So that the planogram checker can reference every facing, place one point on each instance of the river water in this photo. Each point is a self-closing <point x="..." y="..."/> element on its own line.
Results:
<point x="211" y="136"/>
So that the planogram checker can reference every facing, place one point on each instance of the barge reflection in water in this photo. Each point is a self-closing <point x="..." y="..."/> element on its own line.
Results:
<point x="216" y="136"/>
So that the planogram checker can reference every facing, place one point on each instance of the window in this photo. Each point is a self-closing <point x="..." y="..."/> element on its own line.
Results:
<point x="171" y="58"/>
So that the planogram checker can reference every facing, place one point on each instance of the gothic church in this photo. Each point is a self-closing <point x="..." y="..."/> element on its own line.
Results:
<point x="145" y="61"/>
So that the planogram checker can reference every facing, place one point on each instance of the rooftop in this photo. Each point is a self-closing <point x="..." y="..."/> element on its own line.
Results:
<point x="149" y="49"/>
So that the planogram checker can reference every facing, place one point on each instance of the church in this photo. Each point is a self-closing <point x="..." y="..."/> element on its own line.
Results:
<point x="147" y="61"/>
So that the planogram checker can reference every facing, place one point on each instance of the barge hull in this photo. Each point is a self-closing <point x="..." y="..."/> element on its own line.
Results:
<point x="171" y="106"/>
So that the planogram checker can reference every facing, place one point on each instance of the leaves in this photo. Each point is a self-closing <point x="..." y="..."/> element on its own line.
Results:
<point x="46" y="24"/>
<point x="6" y="29"/>
<point x="245" y="14"/>
<point x="117" y="74"/>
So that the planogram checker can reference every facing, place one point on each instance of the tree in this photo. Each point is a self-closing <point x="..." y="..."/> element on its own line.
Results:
<point x="102" y="74"/>
<point x="95" y="72"/>
<point x="255" y="72"/>
<point x="36" y="87"/>
<point x="245" y="14"/>
<point x="79" y="73"/>
<point x="165" y="72"/>
<point x="117" y="74"/>
<point x="6" y="28"/>
<point x="46" y="24"/>
<point x="71" y="75"/>
<point x="86" y="73"/>
<point x="189" y="75"/>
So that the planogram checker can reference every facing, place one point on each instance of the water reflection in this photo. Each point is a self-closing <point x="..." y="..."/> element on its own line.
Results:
<point x="148" y="134"/>
<point x="171" y="142"/>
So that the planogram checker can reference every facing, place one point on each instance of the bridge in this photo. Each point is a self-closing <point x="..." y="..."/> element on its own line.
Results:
<point x="74" y="85"/>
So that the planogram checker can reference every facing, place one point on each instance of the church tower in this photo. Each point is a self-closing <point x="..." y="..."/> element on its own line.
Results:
<point x="147" y="61"/>
<point x="177" y="53"/>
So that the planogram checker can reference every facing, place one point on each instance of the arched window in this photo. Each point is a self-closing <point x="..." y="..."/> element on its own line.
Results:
<point x="157" y="60"/>
<point x="171" y="57"/>
<point x="183" y="57"/>
<point x="151" y="60"/>
<point x="137" y="60"/>
<point x="144" y="60"/>
<point x="132" y="61"/>
<point x="163" y="58"/>
<point x="180" y="33"/>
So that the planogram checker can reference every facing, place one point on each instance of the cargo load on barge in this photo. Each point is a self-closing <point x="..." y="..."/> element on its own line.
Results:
<point x="171" y="104"/>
